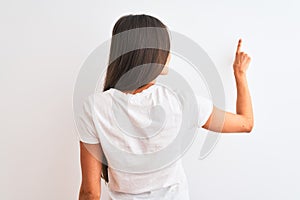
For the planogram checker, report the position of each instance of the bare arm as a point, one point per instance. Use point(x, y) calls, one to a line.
point(242, 121)
point(91, 171)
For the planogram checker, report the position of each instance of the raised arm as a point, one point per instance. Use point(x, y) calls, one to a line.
point(242, 120)
point(91, 172)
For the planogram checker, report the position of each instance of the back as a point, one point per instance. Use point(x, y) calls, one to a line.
point(131, 128)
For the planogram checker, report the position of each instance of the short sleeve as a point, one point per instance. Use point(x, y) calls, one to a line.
point(204, 105)
point(85, 124)
point(205, 108)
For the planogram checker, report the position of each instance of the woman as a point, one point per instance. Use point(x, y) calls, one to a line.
point(131, 75)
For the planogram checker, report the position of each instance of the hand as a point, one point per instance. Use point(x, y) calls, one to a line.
point(242, 60)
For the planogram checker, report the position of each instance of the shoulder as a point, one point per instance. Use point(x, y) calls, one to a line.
point(98, 100)
point(164, 91)
point(99, 96)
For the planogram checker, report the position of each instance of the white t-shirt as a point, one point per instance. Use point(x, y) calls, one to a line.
point(143, 136)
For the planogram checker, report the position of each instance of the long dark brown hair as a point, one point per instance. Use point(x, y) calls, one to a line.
point(134, 68)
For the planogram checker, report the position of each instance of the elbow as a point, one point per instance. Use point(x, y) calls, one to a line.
point(249, 129)
point(249, 126)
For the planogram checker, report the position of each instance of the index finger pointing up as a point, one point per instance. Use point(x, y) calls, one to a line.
point(239, 46)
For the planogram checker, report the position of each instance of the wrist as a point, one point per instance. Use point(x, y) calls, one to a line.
point(239, 73)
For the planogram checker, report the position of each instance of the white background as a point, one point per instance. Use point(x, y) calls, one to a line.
point(43, 43)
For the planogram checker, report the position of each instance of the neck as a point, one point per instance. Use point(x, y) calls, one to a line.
point(142, 88)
